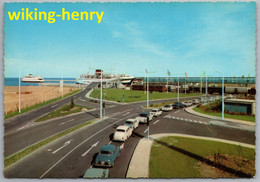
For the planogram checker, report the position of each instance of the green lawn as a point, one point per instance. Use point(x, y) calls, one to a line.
point(9, 115)
point(63, 111)
point(232, 116)
point(134, 95)
point(175, 157)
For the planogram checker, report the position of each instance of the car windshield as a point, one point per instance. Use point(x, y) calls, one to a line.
point(105, 152)
point(128, 122)
point(167, 106)
point(143, 114)
point(120, 130)
point(154, 110)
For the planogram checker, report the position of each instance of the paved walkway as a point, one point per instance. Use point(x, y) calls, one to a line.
point(191, 111)
point(139, 165)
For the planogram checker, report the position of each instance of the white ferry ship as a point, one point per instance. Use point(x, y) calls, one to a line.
point(32, 79)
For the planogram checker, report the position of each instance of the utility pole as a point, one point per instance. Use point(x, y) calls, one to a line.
point(147, 88)
point(223, 96)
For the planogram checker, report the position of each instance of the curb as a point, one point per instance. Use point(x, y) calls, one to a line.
point(217, 118)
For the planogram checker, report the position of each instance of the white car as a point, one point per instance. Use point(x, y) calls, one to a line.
point(195, 101)
point(122, 133)
point(131, 123)
point(167, 108)
point(187, 103)
point(156, 112)
point(141, 119)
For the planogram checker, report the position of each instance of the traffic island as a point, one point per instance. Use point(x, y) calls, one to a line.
point(187, 156)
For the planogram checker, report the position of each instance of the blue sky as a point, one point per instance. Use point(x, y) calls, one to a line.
point(132, 37)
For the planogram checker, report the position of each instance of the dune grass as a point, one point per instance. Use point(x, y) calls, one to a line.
point(36, 106)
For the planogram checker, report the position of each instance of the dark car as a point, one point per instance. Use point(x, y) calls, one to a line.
point(178, 105)
point(107, 156)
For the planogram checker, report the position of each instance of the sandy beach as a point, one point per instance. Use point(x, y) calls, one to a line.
point(31, 95)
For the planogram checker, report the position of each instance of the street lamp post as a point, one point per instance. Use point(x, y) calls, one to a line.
point(147, 87)
point(178, 89)
point(223, 96)
point(19, 92)
point(101, 95)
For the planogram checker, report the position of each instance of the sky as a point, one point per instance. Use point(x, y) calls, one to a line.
point(216, 38)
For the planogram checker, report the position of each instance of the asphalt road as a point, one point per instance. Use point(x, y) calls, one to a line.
point(70, 156)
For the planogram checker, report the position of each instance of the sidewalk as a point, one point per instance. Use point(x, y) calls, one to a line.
point(191, 111)
point(139, 165)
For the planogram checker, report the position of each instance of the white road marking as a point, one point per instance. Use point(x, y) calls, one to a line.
point(49, 150)
point(110, 142)
point(94, 145)
point(82, 99)
point(181, 118)
point(121, 146)
point(145, 130)
point(177, 118)
point(177, 111)
point(195, 121)
point(156, 121)
point(80, 145)
point(66, 122)
point(26, 126)
point(167, 116)
point(54, 106)
point(64, 145)
point(186, 120)
point(173, 117)
point(190, 120)
point(126, 114)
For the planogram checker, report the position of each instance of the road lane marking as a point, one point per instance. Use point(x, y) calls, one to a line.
point(26, 126)
point(173, 117)
point(80, 145)
point(110, 142)
point(186, 120)
point(64, 145)
point(126, 114)
point(167, 116)
point(94, 145)
point(190, 120)
point(181, 118)
point(121, 146)
point(66, 122)
point(177, 118)
point(145, 130)
point(177, 111)
point(82, 99)
point(156, 121)
point(54, 106)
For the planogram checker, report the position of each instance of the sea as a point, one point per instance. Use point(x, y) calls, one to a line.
point(15, 81)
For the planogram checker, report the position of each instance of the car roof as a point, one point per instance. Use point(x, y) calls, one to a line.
point(130, 120)
point(122, 127)
point(108, 148)
point(144, 113)
point(96, 173)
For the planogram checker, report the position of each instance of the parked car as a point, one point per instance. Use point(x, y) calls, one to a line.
point(147, 115)
point(122, 133)
point(167, 108)
point(96, 173)
point(195, 101)
point(131, 123)
point(187, 103)
point(107, 156)
point(178, 105)
point(156, 112)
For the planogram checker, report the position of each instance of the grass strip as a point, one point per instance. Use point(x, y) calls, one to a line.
point(9, 115)
point(120, 95)
point(21, 154)
point(63, 111)
point(177, 157)
point(231, 116)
